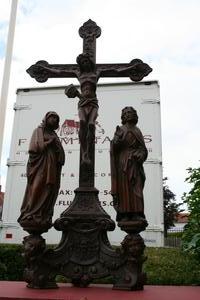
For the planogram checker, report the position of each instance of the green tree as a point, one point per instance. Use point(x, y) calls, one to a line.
point(191, 234)
point(171, 208)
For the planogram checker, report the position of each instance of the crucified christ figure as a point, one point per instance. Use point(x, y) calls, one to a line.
point(88, 74)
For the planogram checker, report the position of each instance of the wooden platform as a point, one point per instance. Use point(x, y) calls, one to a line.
point(18, 290)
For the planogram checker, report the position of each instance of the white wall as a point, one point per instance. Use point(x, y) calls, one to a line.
point(32, 105)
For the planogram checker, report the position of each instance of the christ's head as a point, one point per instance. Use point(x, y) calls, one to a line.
point(85, 63)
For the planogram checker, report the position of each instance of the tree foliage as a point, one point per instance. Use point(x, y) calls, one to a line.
point(171, 208)
point(191, 235)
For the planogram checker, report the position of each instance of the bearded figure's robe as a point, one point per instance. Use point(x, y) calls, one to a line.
point(128, 152)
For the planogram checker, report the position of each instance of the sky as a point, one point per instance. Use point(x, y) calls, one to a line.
point(164, 34)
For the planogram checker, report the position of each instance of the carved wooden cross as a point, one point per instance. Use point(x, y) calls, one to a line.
point(136, 69)
point(88, 72)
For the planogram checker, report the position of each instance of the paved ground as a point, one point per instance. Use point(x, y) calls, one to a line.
point(18, 290)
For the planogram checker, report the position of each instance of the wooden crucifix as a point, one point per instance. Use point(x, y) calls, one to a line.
point(84, 252)
point(88, 73)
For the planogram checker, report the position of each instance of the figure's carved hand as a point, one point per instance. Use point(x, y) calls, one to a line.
point(118, 135)
point(138, 157)
point(51, 140)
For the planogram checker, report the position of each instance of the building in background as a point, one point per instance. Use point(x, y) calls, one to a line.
point(30, 108)
point(181, 220)
point(179, 224)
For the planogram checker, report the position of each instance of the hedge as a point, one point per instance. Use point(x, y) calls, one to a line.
point(171, 266)
point(164, 266)
point(11, 262)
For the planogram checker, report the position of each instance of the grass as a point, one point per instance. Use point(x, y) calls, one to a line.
point(171, 266)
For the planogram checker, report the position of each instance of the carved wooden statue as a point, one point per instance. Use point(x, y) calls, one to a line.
point(46, 157)
point(84, 252)
point(128, 152)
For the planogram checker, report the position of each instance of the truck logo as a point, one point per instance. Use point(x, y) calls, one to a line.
point(71, 127)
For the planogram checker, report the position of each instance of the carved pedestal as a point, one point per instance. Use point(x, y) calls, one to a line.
point(84, 252)
point(133, 249)
point(39, 272)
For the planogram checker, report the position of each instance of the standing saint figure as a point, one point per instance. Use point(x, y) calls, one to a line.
point(46, 158)
point(128, 153)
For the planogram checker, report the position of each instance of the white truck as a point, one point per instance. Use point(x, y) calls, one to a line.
point(31, 106)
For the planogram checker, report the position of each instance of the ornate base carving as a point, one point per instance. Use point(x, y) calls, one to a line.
point(38, 273)
point(133, 226)
point(35, 226)
point(84, 252)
